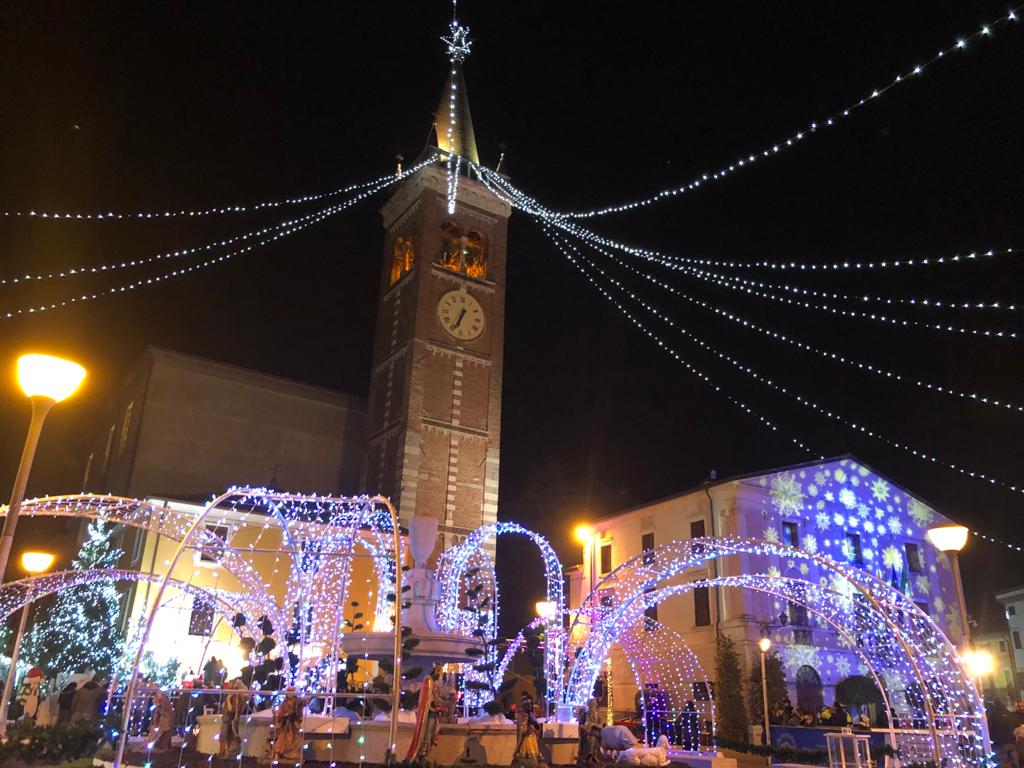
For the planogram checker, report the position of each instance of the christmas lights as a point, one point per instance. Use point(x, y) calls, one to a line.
point(194, 213)
point(743, 322)
point(373, 186)
point(897, 643)
point(802, 400)
point(797, 138)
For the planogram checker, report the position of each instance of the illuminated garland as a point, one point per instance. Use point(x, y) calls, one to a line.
point(900, 644)
point(802, 400)
point(826, 354)
point(196, 213)
point(458, 45)
point(375, 185)
point(794, 139)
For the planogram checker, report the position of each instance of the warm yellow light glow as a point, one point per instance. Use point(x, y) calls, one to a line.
point(37, 562)
point(583, 533)
point(765, 644)
point(546, 609)
point(978, 663)
point(46, 376)
point(948, 538)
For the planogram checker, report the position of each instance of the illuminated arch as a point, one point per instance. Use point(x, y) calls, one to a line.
point(902, 638)
point(452, 568)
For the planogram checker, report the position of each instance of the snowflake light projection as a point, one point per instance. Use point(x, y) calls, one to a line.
point(937, 714)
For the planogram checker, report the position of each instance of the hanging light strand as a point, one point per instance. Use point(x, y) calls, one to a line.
point(90, 269)
point(183, 213)
point(567, 250)
point(457, 44)
point(527, 204)
point(287, 228)
point(744, 322)
point(1000, 542)
point(802, 400)
point(812, 128)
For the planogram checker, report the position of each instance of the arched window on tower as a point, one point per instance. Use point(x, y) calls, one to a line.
point(449, 255)
point(403, 257)
point(474, 255)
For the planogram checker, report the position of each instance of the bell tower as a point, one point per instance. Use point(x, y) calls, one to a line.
point(435, 385)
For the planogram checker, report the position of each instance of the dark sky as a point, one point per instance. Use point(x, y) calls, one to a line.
point(167, 105)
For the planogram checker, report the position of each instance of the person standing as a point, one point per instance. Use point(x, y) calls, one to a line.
point(64, 699)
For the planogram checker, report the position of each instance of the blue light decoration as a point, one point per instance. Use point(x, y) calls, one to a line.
point(934, 711)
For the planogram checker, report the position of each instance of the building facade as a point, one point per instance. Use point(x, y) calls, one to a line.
point(1002, 681)
point(1012, 601)
point(839, 508)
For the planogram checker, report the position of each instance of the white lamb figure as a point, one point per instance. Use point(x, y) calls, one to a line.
point(655, 757)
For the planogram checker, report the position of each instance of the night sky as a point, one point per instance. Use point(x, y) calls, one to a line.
point(127, 106)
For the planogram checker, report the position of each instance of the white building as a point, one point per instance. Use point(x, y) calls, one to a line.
point(1012, 601)
point(1002, 681)
point(837, 507)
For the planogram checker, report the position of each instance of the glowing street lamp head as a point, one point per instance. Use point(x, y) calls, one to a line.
point(765, 644)
point(978, 663)
point(36, 562)
point(546, 609)
point(583, 533)
point(948, 538)
point(49, 377)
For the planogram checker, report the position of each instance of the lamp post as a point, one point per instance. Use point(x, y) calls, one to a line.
point(951, 539)
point(33, 563)
point(45, 380)
point(546, 609)
point(765, 644)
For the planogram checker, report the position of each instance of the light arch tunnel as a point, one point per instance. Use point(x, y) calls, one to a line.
point(933, 709)
point(310, 571)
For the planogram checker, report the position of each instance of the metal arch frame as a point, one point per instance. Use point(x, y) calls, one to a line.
point(452, 565)
point(184, 544)
point(685, 554)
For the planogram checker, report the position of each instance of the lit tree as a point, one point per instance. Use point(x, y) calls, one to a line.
point(730, 713)
point(79, 632)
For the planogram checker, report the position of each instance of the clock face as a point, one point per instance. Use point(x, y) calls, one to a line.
point(461, 315)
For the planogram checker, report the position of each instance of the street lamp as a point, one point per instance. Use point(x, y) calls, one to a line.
point(546, 609)
point(765, 644)
point(951, 539)
point(45, 380)
point(33, 563)
point(978, 663)
point(585, 535)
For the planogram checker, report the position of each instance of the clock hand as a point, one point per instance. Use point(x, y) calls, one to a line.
point(458, 320)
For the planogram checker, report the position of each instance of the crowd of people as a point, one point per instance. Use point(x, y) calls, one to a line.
point(835, 716)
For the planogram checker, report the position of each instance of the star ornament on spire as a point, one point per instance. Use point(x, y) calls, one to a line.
point(458, 41)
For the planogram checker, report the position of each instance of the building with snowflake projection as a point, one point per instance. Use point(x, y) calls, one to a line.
point(836, 507)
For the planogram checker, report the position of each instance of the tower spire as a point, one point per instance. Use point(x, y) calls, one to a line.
point(453, 123)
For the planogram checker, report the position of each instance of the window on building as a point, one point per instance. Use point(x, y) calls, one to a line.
point(474, 255)
point(913, 557)
point(88, 470)
point(797, 614)
point(697, 532)
point(803, 637)
point(449, 256)
point(1002, 646)
point(854, 555)
point(200, 622)
point(126, 425)
point(1011, 610)
point(791, 534)
point(403, 257)
point(213, 551)
point(701, 607)
point(1016, 639)
point(606, 558)
point(109, 447)
point(647, 546)
point(1007, 677)
point(650, 614)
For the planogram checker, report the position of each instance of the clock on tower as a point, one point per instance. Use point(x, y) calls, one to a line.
point(435, 386)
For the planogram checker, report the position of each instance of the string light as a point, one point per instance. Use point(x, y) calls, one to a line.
point(568, 249)
point(519, 199)
point(802, 400)
point(743, 322)
point(457, 44)
point(994, 540)
point(796, 138)
point(194, 213)
point(375, 184)
point(279, 231)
